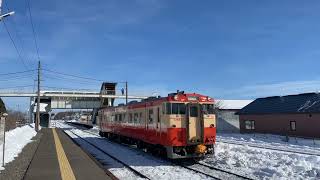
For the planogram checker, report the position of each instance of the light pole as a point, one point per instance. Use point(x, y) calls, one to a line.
point(4, 116)
point(2, 16)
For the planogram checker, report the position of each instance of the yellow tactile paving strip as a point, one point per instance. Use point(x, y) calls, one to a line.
point(65, 168)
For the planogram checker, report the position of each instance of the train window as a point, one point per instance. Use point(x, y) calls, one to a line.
point(178, 108)
point(193, 111)
point(168, 108)
point(150, 115)
point(175, 108)
point(120, 117)
point(158, 115)
point(136, 117)
point(130, 118)
point(123, 117)
point(208, 108)
point(182, 108)
point(140, 117)
point(163, 108)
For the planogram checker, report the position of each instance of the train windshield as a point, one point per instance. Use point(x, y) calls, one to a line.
point(208, 108)
point(175, 108)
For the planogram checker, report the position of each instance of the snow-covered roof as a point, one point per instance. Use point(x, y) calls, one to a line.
point(232, 104)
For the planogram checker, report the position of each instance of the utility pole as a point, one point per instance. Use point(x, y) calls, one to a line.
point(38, 100)
point(126, 92)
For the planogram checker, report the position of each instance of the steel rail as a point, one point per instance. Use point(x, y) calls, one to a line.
point(222, 170)
point(178, 164)
point(111, 156)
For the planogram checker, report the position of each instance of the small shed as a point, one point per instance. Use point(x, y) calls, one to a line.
point(292, 115)
point(227, 120)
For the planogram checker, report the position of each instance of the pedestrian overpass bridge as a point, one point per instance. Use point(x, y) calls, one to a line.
point(71, 99)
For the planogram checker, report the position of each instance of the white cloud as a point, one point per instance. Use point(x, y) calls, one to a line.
point(275, 89)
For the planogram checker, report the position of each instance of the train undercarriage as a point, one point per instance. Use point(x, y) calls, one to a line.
point(170, 152)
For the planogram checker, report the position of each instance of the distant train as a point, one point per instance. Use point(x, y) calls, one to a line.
point(177, 126)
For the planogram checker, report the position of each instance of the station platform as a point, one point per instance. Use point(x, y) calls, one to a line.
point(58, 157)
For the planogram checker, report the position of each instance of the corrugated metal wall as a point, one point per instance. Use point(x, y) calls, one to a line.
point(227, 122)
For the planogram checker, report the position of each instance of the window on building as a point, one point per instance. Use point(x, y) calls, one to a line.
point(249, 124)
point(292, 125)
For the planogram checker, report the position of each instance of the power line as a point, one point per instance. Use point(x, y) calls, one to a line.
point(80, 77)
point(20, 72)
point(34, 32)
point(14, 44)
point(5, 4)
point(70, 80)
point(14, 87)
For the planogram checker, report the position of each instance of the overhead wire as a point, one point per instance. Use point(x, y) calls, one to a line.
point(69, 80)
point(14, 87)
point(5, 4)
point(15, 46)
point(33, 30)
point(19, 72)
point(76, 76)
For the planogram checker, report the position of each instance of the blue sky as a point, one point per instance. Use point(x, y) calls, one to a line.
point(227, 49)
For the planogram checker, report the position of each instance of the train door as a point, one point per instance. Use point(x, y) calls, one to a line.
point(194, 130)
point(150, 125)
point(158, 122)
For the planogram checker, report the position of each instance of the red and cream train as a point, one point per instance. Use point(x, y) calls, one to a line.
point(178, 126)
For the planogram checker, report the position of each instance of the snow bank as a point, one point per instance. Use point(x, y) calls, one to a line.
point(262, 163)
point(16, 139)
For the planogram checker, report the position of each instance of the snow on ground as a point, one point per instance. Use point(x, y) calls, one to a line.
point(16, 139)
point(148, 165)
point(263, 163)
point(257, 163)
point(273, 141)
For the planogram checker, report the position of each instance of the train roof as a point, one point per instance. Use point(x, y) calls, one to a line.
point(179, 96)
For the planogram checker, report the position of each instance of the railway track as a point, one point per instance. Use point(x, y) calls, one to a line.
point(272, 148)
point(137, 173)
point(200, 168)
point(224, 174)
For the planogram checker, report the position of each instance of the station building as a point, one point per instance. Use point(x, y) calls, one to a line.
point(292, 115)
point(227, 120)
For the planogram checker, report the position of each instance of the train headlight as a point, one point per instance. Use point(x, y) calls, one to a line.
point(174, 126)
point(176, 97)
point(212, 125)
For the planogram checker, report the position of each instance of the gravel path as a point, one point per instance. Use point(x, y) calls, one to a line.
point(16, 168)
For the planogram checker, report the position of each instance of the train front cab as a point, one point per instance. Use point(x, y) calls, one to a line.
point(197, 135)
